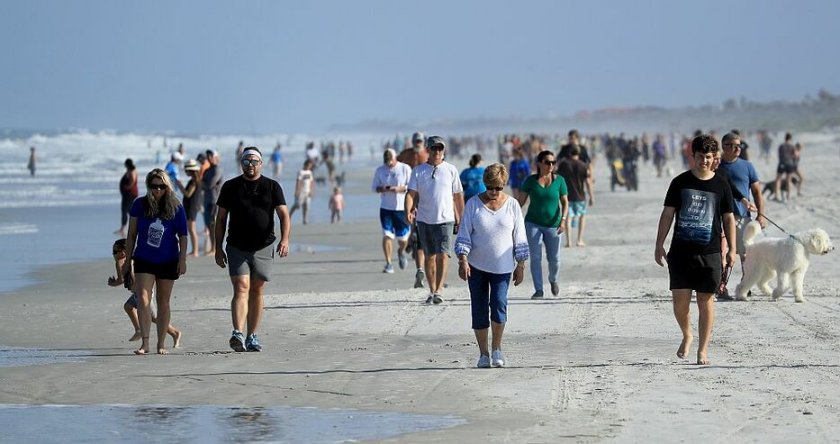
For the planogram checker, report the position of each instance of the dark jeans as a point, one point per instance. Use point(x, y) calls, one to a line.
point(488, 297)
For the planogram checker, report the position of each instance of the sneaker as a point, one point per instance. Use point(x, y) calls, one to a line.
point(430, 299)
point(537, 295)
point(555, 289)
point(237, 341)
point(724, 296)
point(252, 344)
point(388, 268)
point(403, 261)
point(436, 299)
point(497, 359)
point(419, 277)
point(483, 361)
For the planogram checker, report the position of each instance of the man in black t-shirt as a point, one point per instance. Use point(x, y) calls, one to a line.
point(787, 167)
point(699, 204)
point(251, 200)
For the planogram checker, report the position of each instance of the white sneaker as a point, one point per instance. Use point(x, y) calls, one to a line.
point(498, 359)
point(388, 268)
point(483, 361)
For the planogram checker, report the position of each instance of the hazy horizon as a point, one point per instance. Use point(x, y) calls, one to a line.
point(266, 67)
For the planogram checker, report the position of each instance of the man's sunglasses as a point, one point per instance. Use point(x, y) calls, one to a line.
point(250, 162)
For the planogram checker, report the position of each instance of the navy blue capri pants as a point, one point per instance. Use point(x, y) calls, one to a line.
point(488, 297)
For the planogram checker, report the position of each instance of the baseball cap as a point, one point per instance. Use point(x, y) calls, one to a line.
point(435, 140)
point(417, 137)
point(191, 165)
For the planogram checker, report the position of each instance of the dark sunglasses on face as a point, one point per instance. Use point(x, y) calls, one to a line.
point(497, 189)
point(250, 162)
point(158, 187)
point(549, 162)
point(436, 148)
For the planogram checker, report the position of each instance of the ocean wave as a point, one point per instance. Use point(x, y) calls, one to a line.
point(17, 228)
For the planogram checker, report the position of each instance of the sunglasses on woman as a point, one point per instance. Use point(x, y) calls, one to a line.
point(496, 189)
point(157, 186)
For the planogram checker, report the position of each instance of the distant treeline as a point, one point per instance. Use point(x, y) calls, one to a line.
point(808, 114)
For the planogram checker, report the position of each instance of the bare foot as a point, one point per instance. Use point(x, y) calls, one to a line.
point(210, 253)
point(581, 244)
point(136, 337)
point(567, 246)
point(141, 351)
point(194, 253)
point(176, 338)
point(702, 359)
point(163, 351)
point(684, 346)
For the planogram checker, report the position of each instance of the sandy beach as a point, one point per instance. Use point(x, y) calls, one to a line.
point(596, 364)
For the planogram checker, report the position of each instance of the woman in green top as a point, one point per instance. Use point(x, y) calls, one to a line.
point(544, 220)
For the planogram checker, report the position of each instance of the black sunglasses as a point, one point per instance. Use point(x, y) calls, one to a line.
point(549, 162)
point(495, 188)
point(250, 162)
point(158, 187)
point(437, 148)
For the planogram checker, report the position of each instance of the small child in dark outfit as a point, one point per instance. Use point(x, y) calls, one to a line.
point(130, 306)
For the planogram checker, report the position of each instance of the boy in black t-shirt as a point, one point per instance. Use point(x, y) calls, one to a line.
point(699, 204)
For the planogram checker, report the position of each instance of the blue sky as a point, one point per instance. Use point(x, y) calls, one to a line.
point(278, 66)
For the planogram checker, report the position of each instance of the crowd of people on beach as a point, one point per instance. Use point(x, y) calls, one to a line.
point(431, 209)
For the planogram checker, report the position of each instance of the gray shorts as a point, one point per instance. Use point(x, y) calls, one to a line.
point(256, 264)
point(434, 238)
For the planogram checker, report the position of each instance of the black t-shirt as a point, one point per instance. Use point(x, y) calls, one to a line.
point(697, 220)
point(566, 153)
point(251, 207)
point(575, 172)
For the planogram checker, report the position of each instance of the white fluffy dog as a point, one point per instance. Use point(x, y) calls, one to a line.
point(785, 257)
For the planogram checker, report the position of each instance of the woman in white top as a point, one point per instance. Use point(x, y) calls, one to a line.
point(491, 245)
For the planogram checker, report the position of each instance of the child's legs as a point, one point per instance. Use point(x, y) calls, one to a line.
point(131, 311)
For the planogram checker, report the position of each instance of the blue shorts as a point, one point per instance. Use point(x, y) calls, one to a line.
point(132, 300)
point(394, 224)
point(577, 208)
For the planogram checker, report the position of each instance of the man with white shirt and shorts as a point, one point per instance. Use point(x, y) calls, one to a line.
point(435, 199)
point(391, 182)
point(416, 154)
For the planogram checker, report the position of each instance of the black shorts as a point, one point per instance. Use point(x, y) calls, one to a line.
point(785, 169)
point(701, 273)
point(166, 270)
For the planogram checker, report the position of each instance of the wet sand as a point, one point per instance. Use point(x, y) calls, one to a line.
point(596, 364)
